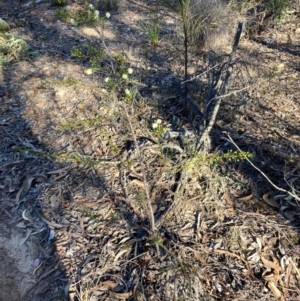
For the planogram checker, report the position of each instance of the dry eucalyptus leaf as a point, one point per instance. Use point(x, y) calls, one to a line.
point(276, 292)
point(270, 264)
point(107, 285)
point(121, 296)
point(246, 198)
point(200, 258)
point(120, 254)
point(271, 201)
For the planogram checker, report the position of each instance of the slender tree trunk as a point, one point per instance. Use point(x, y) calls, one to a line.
point(185, 32)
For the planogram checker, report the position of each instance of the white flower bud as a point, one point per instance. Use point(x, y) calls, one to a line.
point(96, 14)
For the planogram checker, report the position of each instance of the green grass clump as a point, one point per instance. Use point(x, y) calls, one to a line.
point(158, 129)
point(80, 123)
point(68, 82)
point(151, 28)
point(4, 27)
point(63, 14)
point(277, 7)
point(92, 54)
point(11, 47)
point(87, 15)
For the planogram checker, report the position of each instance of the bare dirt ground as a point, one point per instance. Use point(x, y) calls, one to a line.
point(73, 213)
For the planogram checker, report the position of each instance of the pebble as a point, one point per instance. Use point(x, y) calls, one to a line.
point(30, 94)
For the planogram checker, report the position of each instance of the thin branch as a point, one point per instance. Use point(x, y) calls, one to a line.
point(151, 214)
point(199, 75)
point(228, 94)
point(263, 174)
point(218, 88)
point(101, 35)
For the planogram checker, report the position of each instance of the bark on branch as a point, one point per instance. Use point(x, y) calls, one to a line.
point(218, 88)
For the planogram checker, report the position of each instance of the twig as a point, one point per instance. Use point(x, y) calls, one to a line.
point(199, 75)
point(263, 174)
point(204, 140)
point(228, 94)
point(101, 34)
point(151, 214)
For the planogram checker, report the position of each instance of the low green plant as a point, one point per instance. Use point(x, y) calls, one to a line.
point(277, 7)
point(20, 23)
point(120, 80)
point(62, 157)
point(120, 59)
point(295, 240)
point(74, 124)
point(151, 28)
point(212, 159)
point(4, 26)
point(94, 217)
point(11, 47)
point(68, 82)
point(87, 15)
point(129, 94)
point(59, 2)
point(78, 52)
point(92, 54)
point(63, 14)
point(158, 129)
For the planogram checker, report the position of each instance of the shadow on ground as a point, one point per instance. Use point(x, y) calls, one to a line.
point(61, 220)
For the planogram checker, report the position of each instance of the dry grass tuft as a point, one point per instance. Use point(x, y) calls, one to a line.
point(216, 25)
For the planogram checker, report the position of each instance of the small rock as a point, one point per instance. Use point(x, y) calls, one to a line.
point(59, 94)
point(191, 70)
point(30, 94)
point(297, 31)
point(40, 105)
point(280, 67)
point(47, 72)
point(88, 71)
point(30, 113)
point(91, 32)
point(81, 106)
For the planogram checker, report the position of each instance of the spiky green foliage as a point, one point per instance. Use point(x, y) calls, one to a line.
point(68, 82)
point(151, 27)
point(215, 158)
point(11, 47)
point(74, 124)
point(63, 157)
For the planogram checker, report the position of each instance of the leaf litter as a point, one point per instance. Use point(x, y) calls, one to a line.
point(87, 224)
